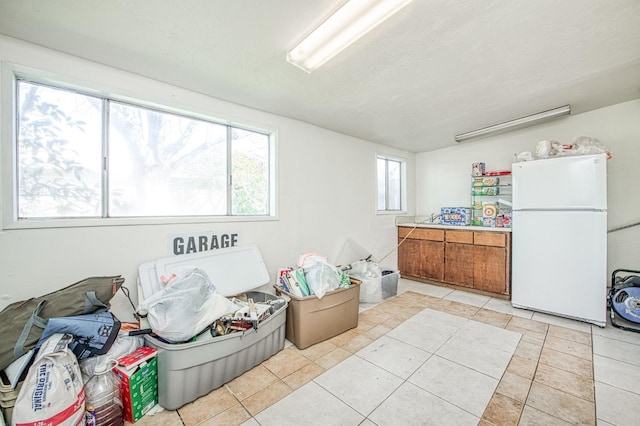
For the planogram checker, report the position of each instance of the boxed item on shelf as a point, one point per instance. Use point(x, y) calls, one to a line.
point(489, 222)
point(477, 169)
point(486, 181)
point(455, 215)
point(489, 210)
point(485, 190)
point(189, 370)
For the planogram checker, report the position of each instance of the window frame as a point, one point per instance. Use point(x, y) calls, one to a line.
point(403, 184)
point(9, 75)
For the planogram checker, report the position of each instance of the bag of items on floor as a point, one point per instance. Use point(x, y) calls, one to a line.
point(22, 323)
point(313, 276)
point(53, 391)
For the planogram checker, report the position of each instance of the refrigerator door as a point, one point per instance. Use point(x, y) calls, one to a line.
point(566, 183)
point(559, 263)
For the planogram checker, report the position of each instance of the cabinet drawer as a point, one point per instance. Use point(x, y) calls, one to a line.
point(422, 233)
point(463, 237)
point(495, 239)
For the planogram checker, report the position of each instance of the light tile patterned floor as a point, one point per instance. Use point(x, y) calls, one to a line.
point(433, 355)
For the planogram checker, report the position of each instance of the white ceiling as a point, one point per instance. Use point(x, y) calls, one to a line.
point(438, 68)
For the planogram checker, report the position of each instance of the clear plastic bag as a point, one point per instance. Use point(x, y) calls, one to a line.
point(187, 306)
point(322, 277)
point(543, 149)
point(122, 346)
point(370, 274)
point(584, 145)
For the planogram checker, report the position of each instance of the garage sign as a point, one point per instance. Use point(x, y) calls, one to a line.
point(202, 241)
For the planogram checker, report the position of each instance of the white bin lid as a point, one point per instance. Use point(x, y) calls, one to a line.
point(232, 270)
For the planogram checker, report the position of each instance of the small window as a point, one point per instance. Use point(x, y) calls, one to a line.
point(82, 156)
point(391, 184)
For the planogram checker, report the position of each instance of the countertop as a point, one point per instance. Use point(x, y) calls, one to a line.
point(400, 221)
point(460, 227)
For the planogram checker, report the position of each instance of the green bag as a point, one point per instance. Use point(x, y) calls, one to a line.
point(22, 323)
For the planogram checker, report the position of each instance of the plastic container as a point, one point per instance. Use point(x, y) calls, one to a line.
point(103, 403)
point(311, 320)
point(189, 370)
point(389, 283)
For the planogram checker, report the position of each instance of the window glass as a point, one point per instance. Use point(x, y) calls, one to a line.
point(393, 185)
point(382, 184)
point(59, 147)
point(250, 172)
point(163, 164)
point(390, 184)
point(81, 156)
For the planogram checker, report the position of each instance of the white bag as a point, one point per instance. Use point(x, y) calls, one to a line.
point(186, 306)
point(370, 274)
point(123, 345)
point(322, 277)
point(53, 392)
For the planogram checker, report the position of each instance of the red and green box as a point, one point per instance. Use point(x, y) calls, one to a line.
point(138, 387)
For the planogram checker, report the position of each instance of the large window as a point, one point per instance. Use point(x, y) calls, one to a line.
point(84, 156)
point(391, 184)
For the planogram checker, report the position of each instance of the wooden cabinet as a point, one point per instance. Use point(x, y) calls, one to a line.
point(433, 256)
point(458, 256)
point(421, 255)
point(492, 261)
point(410, 258)
point(474, 259)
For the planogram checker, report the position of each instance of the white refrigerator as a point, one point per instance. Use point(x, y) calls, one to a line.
point(559, 237)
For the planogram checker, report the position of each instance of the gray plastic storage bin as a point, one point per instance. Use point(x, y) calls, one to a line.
point(389, 283)
point(188, 371)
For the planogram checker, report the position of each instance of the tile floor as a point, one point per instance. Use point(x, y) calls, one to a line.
point(436, 356)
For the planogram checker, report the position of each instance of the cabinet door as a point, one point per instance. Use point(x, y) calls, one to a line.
point(432, 260)
point(489, 269)
point(458, 261)
point(410, 258)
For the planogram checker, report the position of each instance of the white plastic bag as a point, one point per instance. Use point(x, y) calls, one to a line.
point(543, 149)
point(370, 274)
point(53, 392)
point(584, 145)
point(122, 346)
point(308, 259)
point(187, 306)
point(322, 277)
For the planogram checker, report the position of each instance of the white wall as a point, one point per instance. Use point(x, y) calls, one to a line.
point(327, 192)
point(442, 177)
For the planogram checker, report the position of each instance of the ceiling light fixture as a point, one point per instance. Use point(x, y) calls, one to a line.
point(518, 123)
point(353, 20)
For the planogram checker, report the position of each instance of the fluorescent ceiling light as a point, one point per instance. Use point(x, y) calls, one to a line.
point(353, 20)
point(518, 123)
